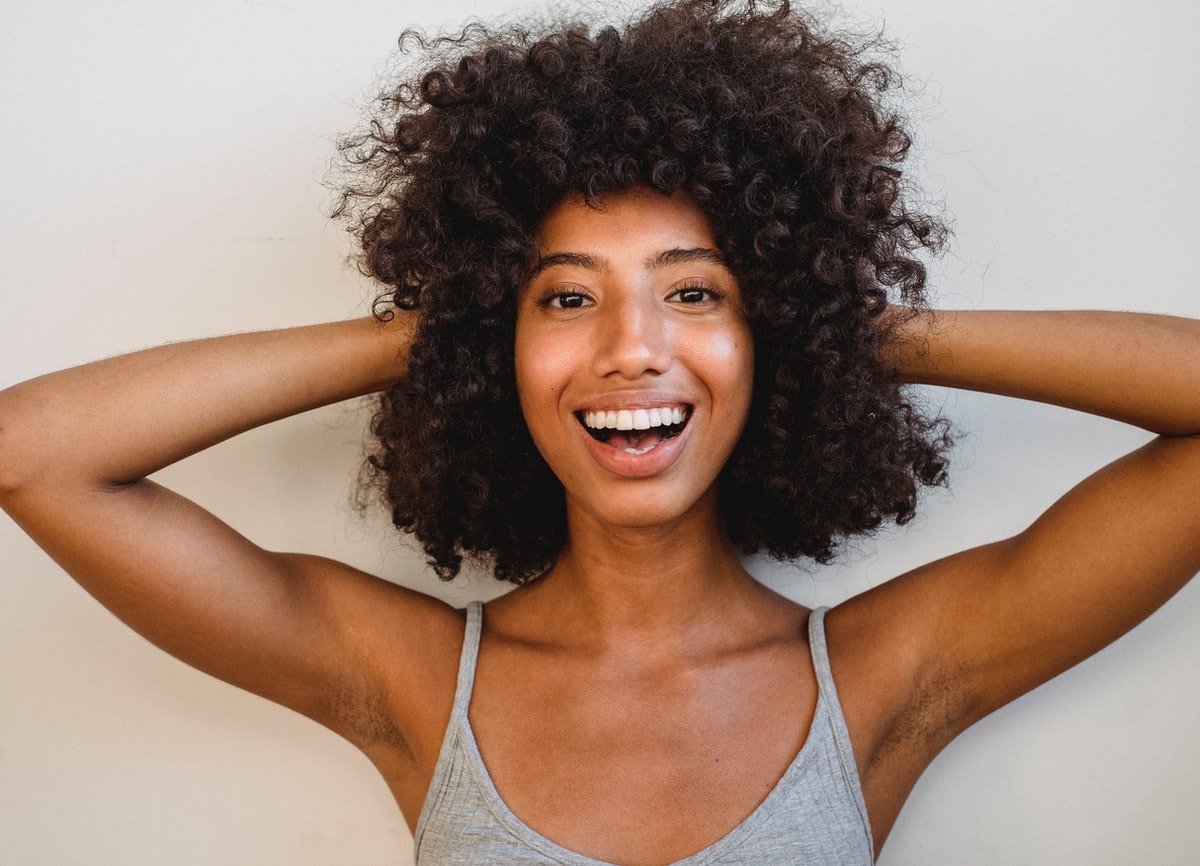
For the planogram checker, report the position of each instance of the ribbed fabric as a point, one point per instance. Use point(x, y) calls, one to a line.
point(814, 815)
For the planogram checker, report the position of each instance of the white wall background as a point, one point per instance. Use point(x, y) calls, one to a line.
point(160, 170)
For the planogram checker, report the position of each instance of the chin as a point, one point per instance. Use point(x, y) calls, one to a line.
point(638, 511)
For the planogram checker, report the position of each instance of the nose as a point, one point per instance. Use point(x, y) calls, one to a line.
point(633, 341)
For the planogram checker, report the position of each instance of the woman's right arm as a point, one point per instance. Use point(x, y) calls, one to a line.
point(76, 447)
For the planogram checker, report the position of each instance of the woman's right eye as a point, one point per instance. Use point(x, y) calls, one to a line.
point(567, 300)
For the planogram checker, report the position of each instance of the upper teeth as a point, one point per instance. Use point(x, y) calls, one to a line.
point(633, 419)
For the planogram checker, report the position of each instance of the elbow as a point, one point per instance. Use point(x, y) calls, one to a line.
point(17, 458)
point(9, 474)
point(10, 477)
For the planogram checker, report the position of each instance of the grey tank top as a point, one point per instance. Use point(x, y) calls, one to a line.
point(815, 814)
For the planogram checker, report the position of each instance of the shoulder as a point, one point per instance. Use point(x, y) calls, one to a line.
point(392, 683)
point(892, 653)
point(902, 705)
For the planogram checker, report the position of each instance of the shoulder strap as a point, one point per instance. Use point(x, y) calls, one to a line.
point(466, 663)
point(837, 721)
point(820, 653)
point(444, 770)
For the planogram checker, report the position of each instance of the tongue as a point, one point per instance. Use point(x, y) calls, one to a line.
point(638, 440)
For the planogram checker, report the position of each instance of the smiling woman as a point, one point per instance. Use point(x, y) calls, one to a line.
point(653, 296)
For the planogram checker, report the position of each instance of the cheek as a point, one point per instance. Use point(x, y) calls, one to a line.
point(730, 357)
point(538, 365)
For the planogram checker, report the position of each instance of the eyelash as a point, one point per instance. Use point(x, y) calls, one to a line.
point(704, 288)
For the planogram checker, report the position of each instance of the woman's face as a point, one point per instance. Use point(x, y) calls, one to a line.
point(634, 362)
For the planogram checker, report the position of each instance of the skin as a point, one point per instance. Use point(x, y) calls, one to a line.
point(662, 669)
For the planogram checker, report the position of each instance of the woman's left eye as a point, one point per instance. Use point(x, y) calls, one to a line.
point(694, 295)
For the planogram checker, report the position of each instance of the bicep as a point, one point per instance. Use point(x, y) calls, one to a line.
point(925, 655)
point(280, 625)
point(1008, 616)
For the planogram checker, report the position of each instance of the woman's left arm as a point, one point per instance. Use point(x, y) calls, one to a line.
point(996, 621)
point(1134, 367)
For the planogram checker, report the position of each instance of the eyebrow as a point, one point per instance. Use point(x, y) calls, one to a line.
point(682, 257)
point(574, 260)
point(664, 259)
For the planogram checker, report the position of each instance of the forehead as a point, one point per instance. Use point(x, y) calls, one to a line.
point(636, 217)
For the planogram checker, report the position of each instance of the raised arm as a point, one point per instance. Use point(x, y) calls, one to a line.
point(118, 420)
point(1133, 367)
point(971, 632)
point(76, 447)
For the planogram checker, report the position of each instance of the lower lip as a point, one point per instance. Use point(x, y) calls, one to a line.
point(627, 465)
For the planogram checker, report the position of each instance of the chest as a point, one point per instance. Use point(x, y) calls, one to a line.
point(640, 765)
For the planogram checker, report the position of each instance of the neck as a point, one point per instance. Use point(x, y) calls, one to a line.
point(626, 586)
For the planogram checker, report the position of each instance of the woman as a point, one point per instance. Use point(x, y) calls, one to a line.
point(651, 656)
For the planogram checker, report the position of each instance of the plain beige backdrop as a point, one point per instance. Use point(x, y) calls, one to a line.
point(160, 179)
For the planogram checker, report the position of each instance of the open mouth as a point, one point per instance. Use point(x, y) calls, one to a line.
point(635, 431)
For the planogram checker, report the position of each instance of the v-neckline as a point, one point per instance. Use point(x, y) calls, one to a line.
point(465, 733)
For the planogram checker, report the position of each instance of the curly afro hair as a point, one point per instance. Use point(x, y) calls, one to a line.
point(783, 137)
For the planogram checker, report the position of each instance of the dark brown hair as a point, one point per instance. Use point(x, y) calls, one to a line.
point(778, 131)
